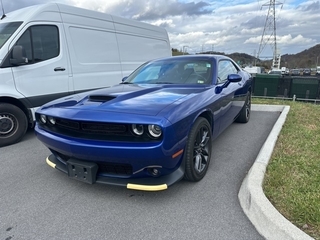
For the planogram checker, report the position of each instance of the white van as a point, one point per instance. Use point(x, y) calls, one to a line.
point(253, 70)
point(53, 50)
point(285, 71)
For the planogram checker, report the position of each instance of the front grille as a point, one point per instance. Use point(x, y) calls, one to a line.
point(92, 127)
point(92, 130)
point(67, 124)
point(103, 128)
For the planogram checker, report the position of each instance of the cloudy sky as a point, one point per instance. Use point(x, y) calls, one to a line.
point(225, 26)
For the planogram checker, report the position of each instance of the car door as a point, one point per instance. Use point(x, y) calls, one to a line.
point(229, 99)
point(46, 75)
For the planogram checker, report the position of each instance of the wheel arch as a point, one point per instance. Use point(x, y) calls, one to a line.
point(21, 105)
point(207, 114)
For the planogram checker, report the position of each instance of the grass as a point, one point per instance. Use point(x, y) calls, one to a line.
point(292, 180)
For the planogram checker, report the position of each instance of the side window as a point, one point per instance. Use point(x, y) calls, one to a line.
point(40, 42)
point(225, 68)
point(25, 42)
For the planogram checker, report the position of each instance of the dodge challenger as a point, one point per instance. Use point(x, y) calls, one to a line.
point(151, 130)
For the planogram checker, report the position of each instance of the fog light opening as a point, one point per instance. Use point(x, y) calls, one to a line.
point(153, 171)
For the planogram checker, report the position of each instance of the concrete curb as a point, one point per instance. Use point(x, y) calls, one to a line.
point(263, 215)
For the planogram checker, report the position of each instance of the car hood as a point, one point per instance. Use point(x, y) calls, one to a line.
point(148, 99)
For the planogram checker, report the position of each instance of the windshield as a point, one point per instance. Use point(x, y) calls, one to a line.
point(173, 71)
point(6, 30)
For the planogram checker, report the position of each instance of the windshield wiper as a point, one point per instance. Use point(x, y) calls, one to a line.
point(163, 83)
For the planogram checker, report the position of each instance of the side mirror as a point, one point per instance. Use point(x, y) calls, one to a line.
point(123, 79)
point(232, 78)
point(19, 55)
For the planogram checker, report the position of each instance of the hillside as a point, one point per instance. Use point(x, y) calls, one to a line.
point(304, 59)
point(240, 58)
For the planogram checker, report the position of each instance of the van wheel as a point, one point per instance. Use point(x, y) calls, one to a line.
point(198, 150)
point(13, 124)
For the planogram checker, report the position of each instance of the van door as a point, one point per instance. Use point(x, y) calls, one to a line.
point(46, 75)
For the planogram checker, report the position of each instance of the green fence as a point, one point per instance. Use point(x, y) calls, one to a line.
point(304, 88)
point(266, 85)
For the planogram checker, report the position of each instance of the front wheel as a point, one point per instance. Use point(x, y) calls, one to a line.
point(198, 150)
point(13, 124)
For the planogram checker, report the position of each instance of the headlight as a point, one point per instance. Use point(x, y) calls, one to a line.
point(155, 130)
point(52, 120)
point(137, 129)
point(43, 118)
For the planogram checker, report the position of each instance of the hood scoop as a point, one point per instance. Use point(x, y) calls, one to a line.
point(100, 98)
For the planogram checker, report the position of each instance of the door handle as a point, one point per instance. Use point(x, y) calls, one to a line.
point(59, 69)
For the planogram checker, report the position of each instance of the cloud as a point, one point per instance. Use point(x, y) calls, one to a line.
point(310, 6)
point(289, 40)
point(146, 10)
point(227, 26)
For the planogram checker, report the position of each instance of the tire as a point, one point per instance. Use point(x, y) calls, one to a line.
point(13, 124)
point(245, 112)
point(198, 150)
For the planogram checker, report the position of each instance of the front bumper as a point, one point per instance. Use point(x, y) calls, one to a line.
point(144, 184)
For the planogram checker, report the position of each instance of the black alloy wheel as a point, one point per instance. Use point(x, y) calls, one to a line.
point(198, 150)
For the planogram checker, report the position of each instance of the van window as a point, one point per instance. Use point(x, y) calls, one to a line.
point(6, 30)
point(40, 42)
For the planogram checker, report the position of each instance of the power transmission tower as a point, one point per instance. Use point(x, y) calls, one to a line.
point(269, 33)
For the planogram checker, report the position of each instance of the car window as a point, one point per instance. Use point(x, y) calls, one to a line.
point(173, 72)
point(225, 67)
point(40, 42)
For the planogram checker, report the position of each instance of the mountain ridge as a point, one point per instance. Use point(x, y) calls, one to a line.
point(308, 58)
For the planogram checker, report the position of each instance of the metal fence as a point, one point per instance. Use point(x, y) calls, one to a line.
point(300, 88)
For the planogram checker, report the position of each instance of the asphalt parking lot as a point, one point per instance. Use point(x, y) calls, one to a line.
point(38, 202)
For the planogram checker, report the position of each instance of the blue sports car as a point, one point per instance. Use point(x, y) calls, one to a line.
point(151, 130)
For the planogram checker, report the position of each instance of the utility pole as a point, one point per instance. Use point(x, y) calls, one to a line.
point(185, 49)
point(269, 33)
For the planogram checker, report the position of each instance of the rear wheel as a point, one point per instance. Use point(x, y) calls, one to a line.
point(245, 112)
point(13, 124)
point(198, 150)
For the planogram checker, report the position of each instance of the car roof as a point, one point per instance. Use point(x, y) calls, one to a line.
point(198, 56)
